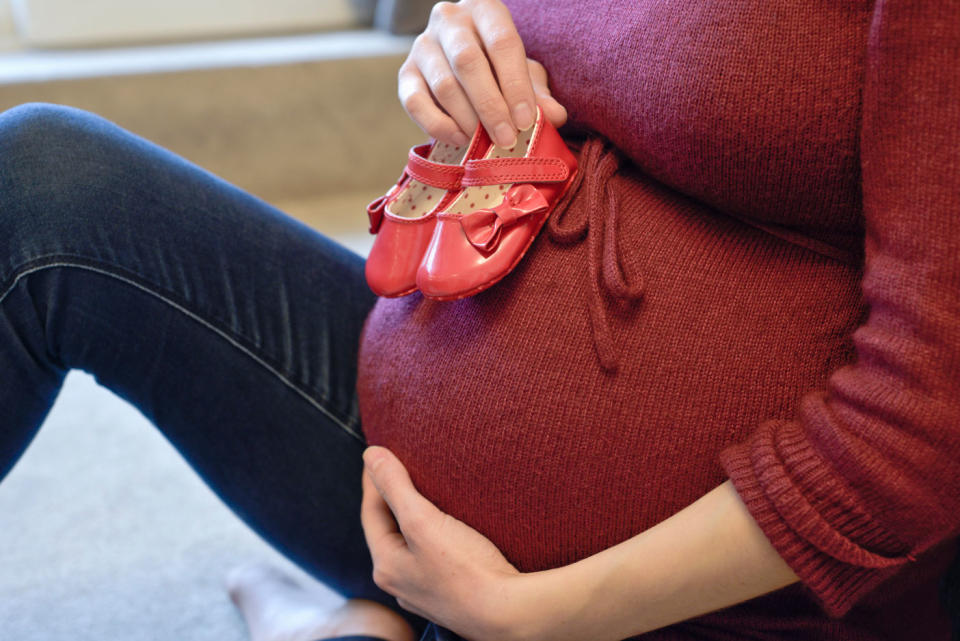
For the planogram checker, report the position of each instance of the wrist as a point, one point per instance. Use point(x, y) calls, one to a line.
point(531, 608)
point(553, 605)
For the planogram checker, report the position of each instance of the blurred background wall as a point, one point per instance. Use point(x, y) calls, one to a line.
point(59, 23)
point(292, 100)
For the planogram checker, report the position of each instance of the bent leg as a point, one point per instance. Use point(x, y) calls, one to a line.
point(232, 327)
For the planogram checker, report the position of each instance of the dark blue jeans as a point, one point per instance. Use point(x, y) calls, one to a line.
point(232, 327)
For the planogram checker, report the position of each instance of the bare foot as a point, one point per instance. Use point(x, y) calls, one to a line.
point(277, 608)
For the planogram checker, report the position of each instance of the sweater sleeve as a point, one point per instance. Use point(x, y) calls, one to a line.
point(867, 476)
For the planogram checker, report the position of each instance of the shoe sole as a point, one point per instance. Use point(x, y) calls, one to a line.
point(399, 295)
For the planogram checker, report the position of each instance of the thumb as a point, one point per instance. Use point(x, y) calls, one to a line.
point(553, 110)
point(392, 481)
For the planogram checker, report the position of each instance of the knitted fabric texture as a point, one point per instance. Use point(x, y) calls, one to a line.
point(757, 277)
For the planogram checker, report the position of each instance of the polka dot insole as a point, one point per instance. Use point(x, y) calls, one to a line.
point(418, 199)
point(488, 196)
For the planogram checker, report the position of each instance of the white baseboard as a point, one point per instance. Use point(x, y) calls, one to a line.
point(49, 65)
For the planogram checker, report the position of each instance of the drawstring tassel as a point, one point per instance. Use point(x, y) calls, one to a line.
point(596, 219)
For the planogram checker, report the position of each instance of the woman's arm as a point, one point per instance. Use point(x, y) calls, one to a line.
point(709, 555)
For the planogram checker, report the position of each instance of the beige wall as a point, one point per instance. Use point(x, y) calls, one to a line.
point(57, 23)
point(283, 132)
point(7, 40)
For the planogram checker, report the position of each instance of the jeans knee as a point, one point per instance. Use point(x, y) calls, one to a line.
point(28, 120)
point(33, 132)
point(40, 143)
point(52, 159)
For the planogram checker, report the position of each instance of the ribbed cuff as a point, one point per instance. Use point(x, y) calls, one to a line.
point(809, 517)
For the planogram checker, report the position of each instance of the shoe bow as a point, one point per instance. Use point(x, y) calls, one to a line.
point(483, 227)
point(375, 213)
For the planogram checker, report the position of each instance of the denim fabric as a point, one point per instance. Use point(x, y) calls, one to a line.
point(232, 327)
point(433, 632)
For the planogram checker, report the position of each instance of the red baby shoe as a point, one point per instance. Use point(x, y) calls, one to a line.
point(403, 219)
point(507, 195)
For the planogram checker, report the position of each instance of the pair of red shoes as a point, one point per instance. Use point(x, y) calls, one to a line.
point(460, 218)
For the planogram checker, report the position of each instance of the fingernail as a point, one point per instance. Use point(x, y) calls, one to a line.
point(504, 135)
point(460, 138)
point(523, 116)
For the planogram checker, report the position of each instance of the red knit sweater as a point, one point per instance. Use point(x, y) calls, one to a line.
point(759, 279)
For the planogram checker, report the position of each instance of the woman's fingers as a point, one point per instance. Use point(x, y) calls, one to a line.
point(469, 67)
point(506, 53)
point(417, 102)
point(552, 110)
point(413, 513)
point(445, 88)
point(380, 528)
point(467, 57)
point(388, 550)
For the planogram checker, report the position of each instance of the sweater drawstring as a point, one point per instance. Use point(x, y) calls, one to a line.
point(595, 216)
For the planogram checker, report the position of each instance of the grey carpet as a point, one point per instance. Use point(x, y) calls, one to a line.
point(105, 533)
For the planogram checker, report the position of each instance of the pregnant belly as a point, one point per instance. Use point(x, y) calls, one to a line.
point(501, 412)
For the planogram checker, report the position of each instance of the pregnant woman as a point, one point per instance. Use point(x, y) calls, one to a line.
point(718, 399)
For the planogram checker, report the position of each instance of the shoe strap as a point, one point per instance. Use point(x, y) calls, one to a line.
point(498, 171)
point(432, 173)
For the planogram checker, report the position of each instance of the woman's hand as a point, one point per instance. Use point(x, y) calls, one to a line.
point(436, 566)
point(709, 555)
point(469, 65)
